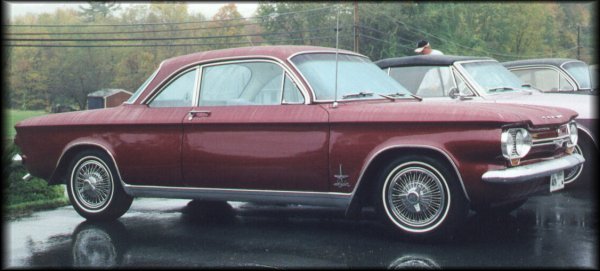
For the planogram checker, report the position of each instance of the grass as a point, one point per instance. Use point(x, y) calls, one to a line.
point(23, 197)
point(26, 208)
point(13, 116)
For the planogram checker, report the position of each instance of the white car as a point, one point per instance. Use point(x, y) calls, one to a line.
point(483, 79)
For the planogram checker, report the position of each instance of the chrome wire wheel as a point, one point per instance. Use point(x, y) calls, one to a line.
point(92, 184)
point(416, 196)
point(573, 173)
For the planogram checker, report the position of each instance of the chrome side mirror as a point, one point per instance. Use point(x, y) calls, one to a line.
point(455, 93)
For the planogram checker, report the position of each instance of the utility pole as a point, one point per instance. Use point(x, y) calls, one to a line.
point(356, 33)
point(578, 43)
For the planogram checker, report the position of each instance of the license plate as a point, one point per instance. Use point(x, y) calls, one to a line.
point(557, 181)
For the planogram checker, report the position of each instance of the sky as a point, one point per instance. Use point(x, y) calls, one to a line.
point(207, 8)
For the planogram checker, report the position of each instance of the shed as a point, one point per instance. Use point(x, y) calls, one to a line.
point(105, 98)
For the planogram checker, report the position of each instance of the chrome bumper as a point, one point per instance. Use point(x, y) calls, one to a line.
point(17, 160)
point(528, 172)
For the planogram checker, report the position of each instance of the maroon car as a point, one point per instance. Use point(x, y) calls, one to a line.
point(305, 125)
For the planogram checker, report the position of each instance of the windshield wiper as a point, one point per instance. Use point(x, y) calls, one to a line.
point(358, 95)
point(500, 89)
point(393, 96)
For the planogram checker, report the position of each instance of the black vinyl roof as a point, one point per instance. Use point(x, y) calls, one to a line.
point(425, 60)
point(538, 61)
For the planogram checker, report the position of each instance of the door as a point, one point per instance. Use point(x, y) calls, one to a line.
point(252, 130)
point(152, 144)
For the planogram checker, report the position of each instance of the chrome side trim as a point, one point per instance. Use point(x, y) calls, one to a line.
point(529, 172)
point(299, 197)
point(230, 60)
point(364, 169)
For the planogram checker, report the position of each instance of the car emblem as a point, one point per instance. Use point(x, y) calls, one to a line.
point(342, 180)
point(552, 117)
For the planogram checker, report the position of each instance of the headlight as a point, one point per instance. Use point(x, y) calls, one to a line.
point(516, 143)
point(572, 134)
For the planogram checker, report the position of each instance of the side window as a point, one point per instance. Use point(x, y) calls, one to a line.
point(463, 88)
point(291, 93)
point(541, 78)
point(409, 77)
point(178, 93)
point(424, 81)
point(564, 85)
point(246, 83)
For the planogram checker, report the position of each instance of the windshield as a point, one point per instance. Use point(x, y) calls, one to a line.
point(358, 77)
point(141, 88)
point(492, 77)
point(580, 72)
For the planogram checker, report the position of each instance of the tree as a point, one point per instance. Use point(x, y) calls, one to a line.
point(227, 22)
point(97, 10)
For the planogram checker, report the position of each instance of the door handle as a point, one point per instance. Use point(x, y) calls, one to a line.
point(194, 113)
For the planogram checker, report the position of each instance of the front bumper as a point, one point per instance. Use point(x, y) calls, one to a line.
point(525, 173)
point(17, 160)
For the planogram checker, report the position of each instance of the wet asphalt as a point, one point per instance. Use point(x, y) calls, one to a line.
point(556, 230)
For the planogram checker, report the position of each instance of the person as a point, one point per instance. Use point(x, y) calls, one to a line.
point(424, 48)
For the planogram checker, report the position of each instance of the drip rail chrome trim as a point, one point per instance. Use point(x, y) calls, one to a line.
point(222, 60)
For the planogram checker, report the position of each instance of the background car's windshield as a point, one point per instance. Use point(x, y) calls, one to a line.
point(355, 74)
point(580, 72)
point(493, 77)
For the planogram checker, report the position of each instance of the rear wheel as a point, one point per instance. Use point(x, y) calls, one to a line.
point(94, 187)
point(420, 197)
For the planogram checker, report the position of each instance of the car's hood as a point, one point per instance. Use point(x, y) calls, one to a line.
point(455, 111)
point(584, 105)
point(95, 116)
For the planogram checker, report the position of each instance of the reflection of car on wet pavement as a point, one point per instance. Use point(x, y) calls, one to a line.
point(549, 231)
point(470, 79)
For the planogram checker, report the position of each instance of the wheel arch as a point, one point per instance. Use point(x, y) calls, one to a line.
point(584, 132)
point(59, 176)
point(362, 195)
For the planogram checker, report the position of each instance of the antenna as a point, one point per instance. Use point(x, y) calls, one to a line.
point(337, 36)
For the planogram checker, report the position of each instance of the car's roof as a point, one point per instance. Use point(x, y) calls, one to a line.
point(538, 61)
point(275, 51)
point(425, 60)
point(281, 52)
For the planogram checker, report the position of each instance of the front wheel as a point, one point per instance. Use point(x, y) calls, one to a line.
point(94, 187)
point(420, 197)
